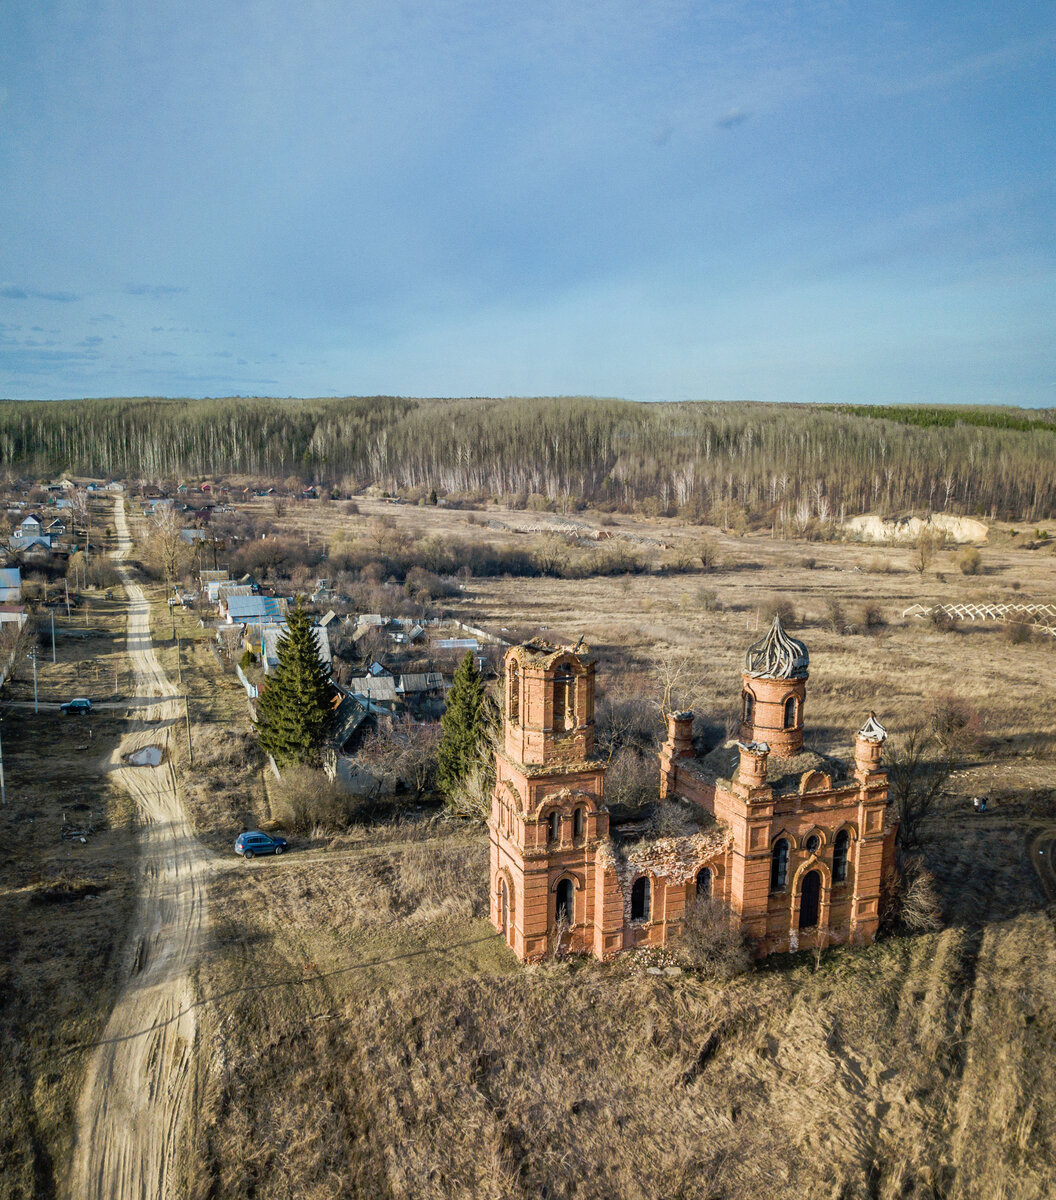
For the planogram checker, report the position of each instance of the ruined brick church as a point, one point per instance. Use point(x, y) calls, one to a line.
point(793, 842)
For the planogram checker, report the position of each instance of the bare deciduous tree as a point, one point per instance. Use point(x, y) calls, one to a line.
point(917, 778)
point(679, 680)
point(924, 551)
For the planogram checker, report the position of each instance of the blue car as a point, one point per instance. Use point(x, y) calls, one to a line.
point(249, 844)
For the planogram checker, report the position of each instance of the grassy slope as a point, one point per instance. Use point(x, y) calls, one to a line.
point(374, 1039)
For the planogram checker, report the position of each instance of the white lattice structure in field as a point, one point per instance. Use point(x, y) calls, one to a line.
point(1041, 617)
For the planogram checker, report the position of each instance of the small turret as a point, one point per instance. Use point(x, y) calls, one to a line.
point(751, 770)
point(680, 734)
point(868, 747)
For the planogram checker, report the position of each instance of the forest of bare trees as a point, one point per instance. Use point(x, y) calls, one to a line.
point(787, 463)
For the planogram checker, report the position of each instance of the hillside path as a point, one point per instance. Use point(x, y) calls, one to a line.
point(135, 1092)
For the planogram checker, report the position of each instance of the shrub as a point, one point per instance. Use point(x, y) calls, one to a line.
point(956, 725)
point(1019, 634)
point(306, 800)
point(919, 909)
point(872, 615)
point(711, 942)
point(779, 606)
point(708, 600)
point(969, 560)
point(247, 660)
point(834, 616)
point(808, 564)
point(942, 621)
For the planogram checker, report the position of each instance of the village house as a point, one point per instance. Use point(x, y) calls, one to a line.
point(13, 614)
point(794, 843)
point(10, 585)
point(256, 610)
point(30, 527)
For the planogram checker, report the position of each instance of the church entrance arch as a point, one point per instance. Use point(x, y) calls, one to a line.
point(810, 900)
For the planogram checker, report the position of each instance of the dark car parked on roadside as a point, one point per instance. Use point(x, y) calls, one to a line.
point(80, 704)
point(250, 844)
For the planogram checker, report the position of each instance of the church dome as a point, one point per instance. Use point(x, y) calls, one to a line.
point(777, 656)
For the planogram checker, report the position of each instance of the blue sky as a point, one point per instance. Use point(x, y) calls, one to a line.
point(733, 201)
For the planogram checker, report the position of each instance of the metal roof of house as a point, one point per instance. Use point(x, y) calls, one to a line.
point(258, 609)
point(431, 681)
point(274, 632)
point(10, 577)
point(379, 688)
point(226, 590)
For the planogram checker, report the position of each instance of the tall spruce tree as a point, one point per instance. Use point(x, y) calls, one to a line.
point(293, 712)
point(462, 727)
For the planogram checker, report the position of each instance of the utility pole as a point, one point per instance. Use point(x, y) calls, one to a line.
point(179, 663)
point(187, 717)
point(172, 613)
point(3, 789)
point(36, 706)
point(67, 583)
point(52, 635)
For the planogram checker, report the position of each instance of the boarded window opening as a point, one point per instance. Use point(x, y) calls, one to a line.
point(504, 909)
point(553, 827)
point(839, 856)
point(515, 696)
point(578, 823)
point(704, 883)
point(779, 865)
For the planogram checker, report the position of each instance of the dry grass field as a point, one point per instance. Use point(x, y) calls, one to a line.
point(370, 1036)
point(65, 905)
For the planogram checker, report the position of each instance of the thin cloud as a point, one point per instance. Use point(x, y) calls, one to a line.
point(157, 291)
point(735, 117)
point(14, 292)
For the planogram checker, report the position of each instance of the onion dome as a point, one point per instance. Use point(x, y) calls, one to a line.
point(777, 656)
point(872, 730)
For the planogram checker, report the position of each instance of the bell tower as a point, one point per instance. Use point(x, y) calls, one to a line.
point(774, 692)
point(547, 815)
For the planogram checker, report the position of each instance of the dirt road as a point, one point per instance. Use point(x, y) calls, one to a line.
point(134, 1097)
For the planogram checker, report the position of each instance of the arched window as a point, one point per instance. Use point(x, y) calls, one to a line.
point(504, 908)
point(839, 856)
point(790, 713)
point(514, 690)
point(749, 708)
point(779, 865)
point(578, 822)
point(640, 900)
point(810, 900)
point(564, 707)
point(704, 883)
point(553, 827)
point(563, 908)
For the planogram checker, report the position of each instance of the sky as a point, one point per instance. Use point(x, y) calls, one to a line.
point(775, 200)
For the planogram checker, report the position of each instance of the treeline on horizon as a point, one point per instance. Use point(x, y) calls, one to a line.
point(791, 464)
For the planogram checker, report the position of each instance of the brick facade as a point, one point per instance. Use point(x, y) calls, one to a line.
point(795, 843)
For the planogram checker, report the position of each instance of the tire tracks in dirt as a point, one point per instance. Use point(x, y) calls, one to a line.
point(134, 1099)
